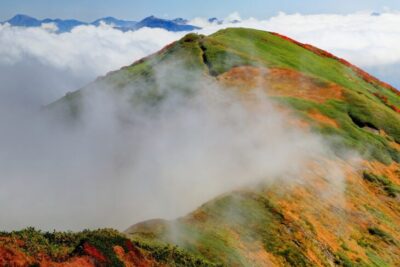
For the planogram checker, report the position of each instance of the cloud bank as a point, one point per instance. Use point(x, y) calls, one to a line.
point(47, 65)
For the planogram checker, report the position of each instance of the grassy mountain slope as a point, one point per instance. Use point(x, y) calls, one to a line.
point(360, 100)
point(278, 224)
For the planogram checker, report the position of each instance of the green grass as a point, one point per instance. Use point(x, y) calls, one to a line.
point(376, 260)
point(343, 260)
point(382, 217)
point(351, 136)
point(367, 110)
point(172, 255)
point(375, 231)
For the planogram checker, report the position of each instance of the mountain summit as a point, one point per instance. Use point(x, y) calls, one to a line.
point(348, 215)
point(24, 20)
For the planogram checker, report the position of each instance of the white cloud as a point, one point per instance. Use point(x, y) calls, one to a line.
point(86, 48)
point(77, 57)
point(235, 16)
point(50, 27)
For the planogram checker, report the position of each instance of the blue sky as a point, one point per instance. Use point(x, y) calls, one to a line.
point(135, 9)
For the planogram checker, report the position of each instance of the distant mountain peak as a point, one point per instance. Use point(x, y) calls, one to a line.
point(22, 16)
point(24, 20)
point(151, 18)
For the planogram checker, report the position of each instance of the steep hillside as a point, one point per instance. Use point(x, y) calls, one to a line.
point(308, 222)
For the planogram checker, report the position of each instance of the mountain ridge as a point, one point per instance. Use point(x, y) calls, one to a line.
point(66, 25)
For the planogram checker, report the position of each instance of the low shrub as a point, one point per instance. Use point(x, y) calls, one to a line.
point(375, 231)
point(383, 182)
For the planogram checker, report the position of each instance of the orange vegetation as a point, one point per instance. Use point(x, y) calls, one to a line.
point(391, 171)
point(9, 256)
point(94, 253)
point(253, 251)
point(336, 218)
point(133, 257)
point(12, 254)
point(280, 82)
point(317, 116)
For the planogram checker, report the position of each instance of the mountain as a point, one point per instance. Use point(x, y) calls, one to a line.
point(315, 221)
point(64, 25)
point(115, 22)
point(27, 21)
point(176, 25)
point(24, 21)
point(170, 25)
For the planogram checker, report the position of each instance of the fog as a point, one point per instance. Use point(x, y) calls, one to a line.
point(49, 65)
point(122, 163)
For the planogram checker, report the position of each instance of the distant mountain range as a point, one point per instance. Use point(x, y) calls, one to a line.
point(175, 25)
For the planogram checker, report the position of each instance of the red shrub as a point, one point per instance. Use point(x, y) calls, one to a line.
point(93, 252)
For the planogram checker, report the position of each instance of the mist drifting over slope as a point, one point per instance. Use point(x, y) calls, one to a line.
point(123, 163)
